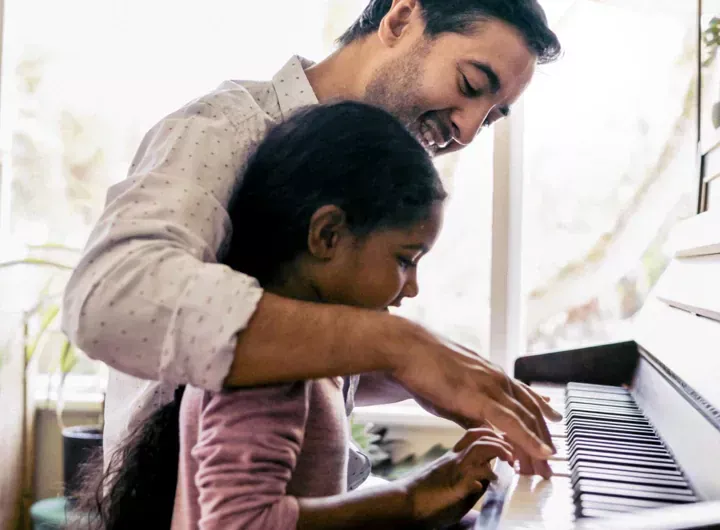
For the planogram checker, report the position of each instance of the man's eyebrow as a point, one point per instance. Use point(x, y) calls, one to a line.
point(495, 84)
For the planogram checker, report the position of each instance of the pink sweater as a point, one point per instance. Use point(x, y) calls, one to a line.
point(245, 456)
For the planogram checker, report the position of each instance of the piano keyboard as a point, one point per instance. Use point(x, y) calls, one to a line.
point(609, 461)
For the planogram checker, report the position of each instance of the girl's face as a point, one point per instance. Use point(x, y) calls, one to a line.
point(377, 270)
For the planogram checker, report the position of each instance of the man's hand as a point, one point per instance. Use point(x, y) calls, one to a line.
point(325, 340)
point(460, 385)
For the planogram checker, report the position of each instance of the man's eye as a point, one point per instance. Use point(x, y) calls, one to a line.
point(468, 89)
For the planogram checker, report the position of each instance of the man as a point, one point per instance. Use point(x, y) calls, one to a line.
point(150, 299)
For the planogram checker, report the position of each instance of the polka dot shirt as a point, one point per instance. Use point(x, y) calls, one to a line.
point(149, 297)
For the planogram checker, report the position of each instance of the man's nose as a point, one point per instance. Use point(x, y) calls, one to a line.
point(468, 121)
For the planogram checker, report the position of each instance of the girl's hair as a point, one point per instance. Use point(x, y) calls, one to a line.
point(351, 155)
point(348, 154)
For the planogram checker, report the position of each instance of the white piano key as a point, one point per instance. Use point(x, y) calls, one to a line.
point(538, 503)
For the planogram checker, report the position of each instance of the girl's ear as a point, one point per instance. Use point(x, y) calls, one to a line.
point(327, 226)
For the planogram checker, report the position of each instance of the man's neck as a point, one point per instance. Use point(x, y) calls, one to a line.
point(341, 74)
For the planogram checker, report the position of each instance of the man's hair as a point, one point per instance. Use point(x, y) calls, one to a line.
point(459, 16)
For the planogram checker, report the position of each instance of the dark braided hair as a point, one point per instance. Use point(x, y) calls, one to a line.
point(352, 155)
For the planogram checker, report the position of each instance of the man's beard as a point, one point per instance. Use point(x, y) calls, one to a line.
point(395, 88)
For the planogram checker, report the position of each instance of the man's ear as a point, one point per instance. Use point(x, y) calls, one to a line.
point(327, 226)
point(397, 21)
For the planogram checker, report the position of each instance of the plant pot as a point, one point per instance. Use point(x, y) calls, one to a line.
point(79, 444)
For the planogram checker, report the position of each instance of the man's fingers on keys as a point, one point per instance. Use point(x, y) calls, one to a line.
point(531, 403)
point(542, 468)
point(525, 463)
point(516, 430)
point(543, 402)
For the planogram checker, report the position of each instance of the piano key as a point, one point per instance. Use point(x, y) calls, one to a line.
point(597, 513)
point(606, 398)
point(619, 502)
point(593, 466)
point(630, 478)
point(557, 430)
point(597, 389)
point(614, 401)
point(583, 484)
point(627, 451)
point(626, 409)
point(648, 448)
point(595, 434)
point(560, 468)
point(636, 461)
point(610, 428)
point(629, 493)
point(600, 416)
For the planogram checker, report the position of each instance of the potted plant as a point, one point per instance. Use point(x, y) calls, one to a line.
point(41, 338)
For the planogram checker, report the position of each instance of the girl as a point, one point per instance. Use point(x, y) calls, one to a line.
point(337, 205)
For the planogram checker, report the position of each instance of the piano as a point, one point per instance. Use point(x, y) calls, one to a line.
point(639, 446)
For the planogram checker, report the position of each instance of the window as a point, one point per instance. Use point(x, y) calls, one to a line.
point(454, 278)
point(609, 141)
point(86, 80)
point(610, 150)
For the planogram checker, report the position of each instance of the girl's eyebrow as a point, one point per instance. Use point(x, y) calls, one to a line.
point(416, 246)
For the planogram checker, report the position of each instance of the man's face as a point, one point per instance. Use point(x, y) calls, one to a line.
point(445, 89)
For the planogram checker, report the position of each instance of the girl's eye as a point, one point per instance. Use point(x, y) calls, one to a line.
point(404, 262)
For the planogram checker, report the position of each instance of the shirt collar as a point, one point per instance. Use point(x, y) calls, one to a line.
point(292, 86)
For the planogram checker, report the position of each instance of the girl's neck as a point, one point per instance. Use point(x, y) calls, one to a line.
point(294, 286)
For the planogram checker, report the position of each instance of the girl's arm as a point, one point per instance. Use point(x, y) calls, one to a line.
point(248, 446)
point(247, 452)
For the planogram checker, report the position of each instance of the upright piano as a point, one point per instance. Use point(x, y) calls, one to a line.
point(639, 446)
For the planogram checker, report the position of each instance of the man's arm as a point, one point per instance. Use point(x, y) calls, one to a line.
point(149, 299)
point(379, 388)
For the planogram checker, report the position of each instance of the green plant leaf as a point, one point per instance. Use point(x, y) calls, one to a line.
point(68, 357)
point(54, 246)
point(37, 261)
point(46, 318)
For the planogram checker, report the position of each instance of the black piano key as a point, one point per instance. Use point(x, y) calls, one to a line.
point(572, 422)
point(616, 428)
point(639, 479)
point(626, 451)
point(609, 458)
point(630, 446)
point(605, 417)
point(599, 435)
point(604, 408)
point(646, 494)
point(619, 468)
point(613, 401)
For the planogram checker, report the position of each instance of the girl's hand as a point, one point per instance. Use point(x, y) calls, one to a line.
point(447, 489)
